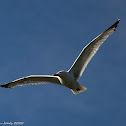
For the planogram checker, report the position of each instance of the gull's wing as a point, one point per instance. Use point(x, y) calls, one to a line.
point(33, 79)
point(88, 52)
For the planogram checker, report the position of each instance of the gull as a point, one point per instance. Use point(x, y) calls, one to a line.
point(68, 78)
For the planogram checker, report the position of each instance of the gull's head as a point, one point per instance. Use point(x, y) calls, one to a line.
point(60, 73)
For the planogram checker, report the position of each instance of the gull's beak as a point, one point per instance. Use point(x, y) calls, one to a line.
point(55, 74)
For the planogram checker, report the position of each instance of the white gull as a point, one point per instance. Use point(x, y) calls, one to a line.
point(68, 78)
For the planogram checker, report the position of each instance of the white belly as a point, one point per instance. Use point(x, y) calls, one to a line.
point(68, 81)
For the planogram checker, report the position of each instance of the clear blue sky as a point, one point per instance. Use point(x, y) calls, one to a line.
point(45, 36)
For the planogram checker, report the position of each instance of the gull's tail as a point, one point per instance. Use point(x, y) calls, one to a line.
point(79, 89)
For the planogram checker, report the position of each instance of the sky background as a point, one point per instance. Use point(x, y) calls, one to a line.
point(46, 36)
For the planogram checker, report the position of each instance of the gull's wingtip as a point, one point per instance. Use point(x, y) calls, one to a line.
point(119, 19)
point(114, 25)
point(5, 86)
point(117, 22)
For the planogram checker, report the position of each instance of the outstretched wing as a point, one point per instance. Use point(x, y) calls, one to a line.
point(33, 79)
point(88, 52)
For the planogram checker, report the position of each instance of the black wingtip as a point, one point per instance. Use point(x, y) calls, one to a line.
point(5, 86)
point(114, 25)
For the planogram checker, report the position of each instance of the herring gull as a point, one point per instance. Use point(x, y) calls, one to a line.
point(68, 78)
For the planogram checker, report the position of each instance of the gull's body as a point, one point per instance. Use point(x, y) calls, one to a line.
point(68, 78)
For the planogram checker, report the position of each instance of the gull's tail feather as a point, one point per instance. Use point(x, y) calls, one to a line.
point(79, 89)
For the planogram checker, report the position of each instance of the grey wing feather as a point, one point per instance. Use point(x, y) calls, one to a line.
point(33, 79)
point(89, 51)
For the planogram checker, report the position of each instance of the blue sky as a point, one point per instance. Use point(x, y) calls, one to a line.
point(45, 36)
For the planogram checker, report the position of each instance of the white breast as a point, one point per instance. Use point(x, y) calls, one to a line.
point(68, 81)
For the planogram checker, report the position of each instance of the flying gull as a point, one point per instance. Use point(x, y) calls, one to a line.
point(68, 78)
